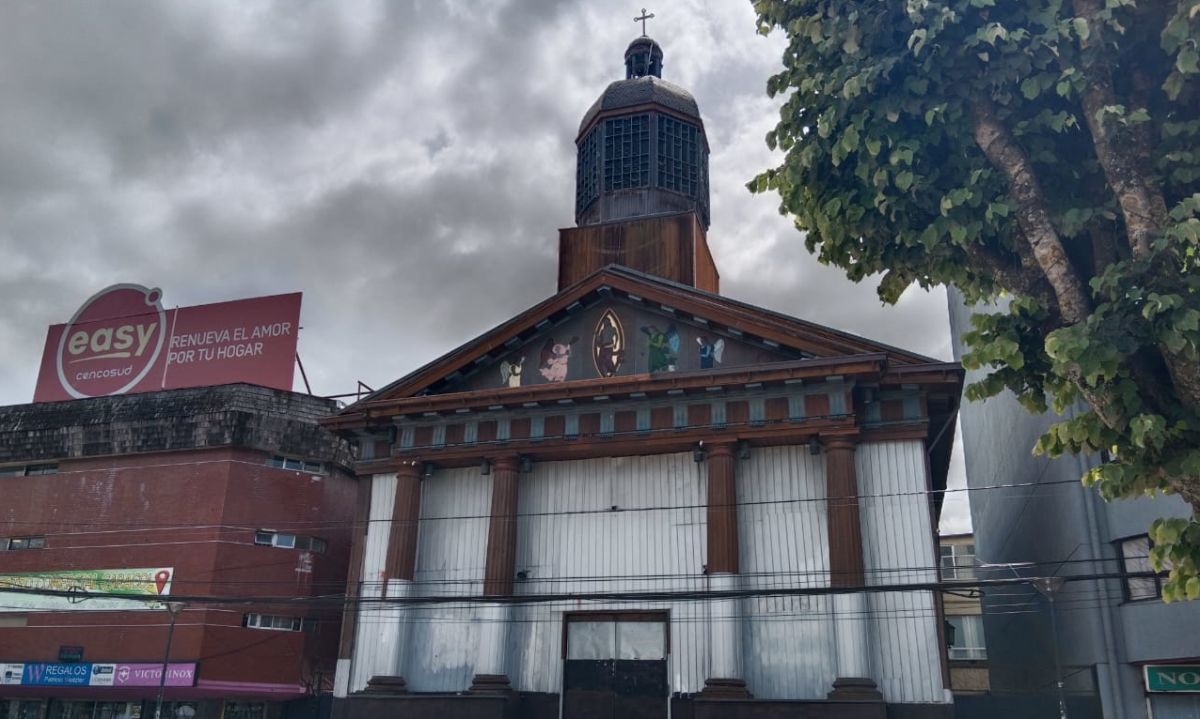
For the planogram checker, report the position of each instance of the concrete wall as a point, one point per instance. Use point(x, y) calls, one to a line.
point(1065, 529)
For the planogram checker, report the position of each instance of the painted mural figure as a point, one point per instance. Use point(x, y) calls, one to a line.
point(554, 359)
point(608, 345)
point(710, 352)
point(510, 372)
point(664, 348)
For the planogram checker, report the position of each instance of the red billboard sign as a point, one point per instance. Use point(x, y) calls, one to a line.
point(122, 341)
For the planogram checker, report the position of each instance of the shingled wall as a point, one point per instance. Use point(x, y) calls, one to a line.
point(237, 415)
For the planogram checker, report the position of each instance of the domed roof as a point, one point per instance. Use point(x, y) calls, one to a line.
point(639, 91)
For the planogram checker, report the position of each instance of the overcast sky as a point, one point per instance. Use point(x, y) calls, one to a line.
point(406, 165)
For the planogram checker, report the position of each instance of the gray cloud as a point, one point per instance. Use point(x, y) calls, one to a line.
point(405, 165)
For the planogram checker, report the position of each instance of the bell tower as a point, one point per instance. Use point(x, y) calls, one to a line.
point(641, 180)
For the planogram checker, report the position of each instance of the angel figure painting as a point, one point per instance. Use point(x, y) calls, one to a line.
point(664, 348)
point(510, 372)
point(710, 352)
point(554, 359)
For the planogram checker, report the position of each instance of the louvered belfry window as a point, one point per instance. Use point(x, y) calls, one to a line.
point(626, 152)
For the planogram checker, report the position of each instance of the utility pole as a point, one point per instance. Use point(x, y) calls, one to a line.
point(175, 608)
point(1049, 586)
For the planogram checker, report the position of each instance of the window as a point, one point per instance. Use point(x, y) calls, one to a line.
point(279, 623)
point(626, 152)
point(958, 561)
point(7, 543)
point(300, 465)
point(606, 638)
point(244, 710)
point(587, 171)
point(678, 153)
point(28, 470)
point(287, 540)
point(1135, 559)
point(966, 637)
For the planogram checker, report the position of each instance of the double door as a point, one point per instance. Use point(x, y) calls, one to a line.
point(616, 666)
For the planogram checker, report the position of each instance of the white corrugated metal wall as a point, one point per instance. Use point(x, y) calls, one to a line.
point(602, 525)
point(898, 547)
point(443, 639)
point(788, 641)
point(638, 523)
point(369, 656)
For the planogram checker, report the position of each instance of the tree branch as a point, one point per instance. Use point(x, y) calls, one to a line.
point(1141, 200)
point(1033, 217)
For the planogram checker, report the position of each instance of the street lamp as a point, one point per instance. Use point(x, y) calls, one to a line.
point(175, 608)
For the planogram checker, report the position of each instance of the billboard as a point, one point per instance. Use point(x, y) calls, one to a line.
point(122, 340)
point(151, 583)
point(86, 674)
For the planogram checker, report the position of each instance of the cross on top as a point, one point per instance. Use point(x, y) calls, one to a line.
point(643, 20)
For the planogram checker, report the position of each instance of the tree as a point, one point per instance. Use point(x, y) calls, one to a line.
point(1045, 151)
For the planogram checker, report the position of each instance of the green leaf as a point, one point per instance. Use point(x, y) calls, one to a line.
point(916, 40)
point(1188, 61)
point(1081, 28)
point(873, 146)
point(904, 180)
point(1030, 88)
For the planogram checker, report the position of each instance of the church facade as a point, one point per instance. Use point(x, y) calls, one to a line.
point(640, 498)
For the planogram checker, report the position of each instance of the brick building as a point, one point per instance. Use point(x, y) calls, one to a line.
point(226, 491)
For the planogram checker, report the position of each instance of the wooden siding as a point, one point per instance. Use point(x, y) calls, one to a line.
point(673, 247)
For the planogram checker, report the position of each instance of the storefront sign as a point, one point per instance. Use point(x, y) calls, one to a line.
point(1172, 677)
point(150, 583)
point(11, 674)
point(62, 674)
point(70, 653)
point(122, 340)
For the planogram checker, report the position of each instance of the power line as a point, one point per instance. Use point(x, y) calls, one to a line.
point(521, 599)
point(357, 523)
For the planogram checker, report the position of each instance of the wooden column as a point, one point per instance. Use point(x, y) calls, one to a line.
point(845, 530)
point(851, 620)
point(502, 529)
point(724, 680)
point(499, 570)
point(722, 510)
point(406, 511)
point(399, 570)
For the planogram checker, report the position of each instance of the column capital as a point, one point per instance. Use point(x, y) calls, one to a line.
point(721, 448)
point(840, 442)
point(505, 462)
point(409, 469)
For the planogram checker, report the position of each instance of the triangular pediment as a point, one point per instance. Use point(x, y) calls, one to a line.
point(619, 322)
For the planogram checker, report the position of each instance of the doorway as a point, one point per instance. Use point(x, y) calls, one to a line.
point(615, 665)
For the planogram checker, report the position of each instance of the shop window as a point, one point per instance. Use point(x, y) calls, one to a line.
point(28, 470)
point(244, 710)
point(276, 622)
point(1135, 559)
point(14, 543)
point(287, 540)
point(958, 561)
point(299, 465)
point(966, 637)
point(172, 710)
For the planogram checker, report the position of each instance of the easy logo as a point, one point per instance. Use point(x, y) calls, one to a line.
point(112, 341)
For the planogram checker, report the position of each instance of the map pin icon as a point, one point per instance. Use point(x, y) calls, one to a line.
point(161, 577)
